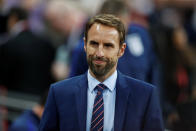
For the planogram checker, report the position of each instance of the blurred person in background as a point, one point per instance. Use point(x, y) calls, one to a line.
point(29, 120)
point(35, 10)
point(140, 11)
point(177, 55)
point(178, 71)
point(36, 14)
point(179, 85)
point(26, 58)
point(139, 60)
point(64, 20)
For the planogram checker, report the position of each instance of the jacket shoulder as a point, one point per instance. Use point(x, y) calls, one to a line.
point(69, 84)
point(137, 86)
point(137, 81)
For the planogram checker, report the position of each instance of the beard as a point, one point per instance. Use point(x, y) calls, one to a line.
point(100, 70)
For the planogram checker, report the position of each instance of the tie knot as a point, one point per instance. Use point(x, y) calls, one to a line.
point(100, 87)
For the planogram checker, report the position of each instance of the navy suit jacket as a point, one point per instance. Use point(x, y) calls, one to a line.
point(136, 107)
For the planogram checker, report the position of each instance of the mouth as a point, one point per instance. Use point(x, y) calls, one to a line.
point(98, 62)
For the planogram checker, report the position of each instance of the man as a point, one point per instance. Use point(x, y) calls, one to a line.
point(103, 98)
point(25, 58)
point(139, 58)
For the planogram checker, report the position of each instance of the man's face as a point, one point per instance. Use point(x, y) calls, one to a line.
point(103, 49)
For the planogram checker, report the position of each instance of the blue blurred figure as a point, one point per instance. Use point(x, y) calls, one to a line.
point(29, 120)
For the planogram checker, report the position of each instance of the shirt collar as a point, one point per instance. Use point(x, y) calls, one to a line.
point(110, 82)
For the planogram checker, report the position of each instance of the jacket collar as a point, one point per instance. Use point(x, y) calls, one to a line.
point(122, 94)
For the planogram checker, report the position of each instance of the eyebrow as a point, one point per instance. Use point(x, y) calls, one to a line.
point(93, 42)
point(109, 44)
point(105, 44)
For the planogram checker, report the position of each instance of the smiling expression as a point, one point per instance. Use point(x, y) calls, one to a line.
point(103, 50)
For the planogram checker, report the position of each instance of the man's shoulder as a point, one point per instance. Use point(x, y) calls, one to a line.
point(135, 84)
point(132, 80)
point(139, 91)
point(70, 82)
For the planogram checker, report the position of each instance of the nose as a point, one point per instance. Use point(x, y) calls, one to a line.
point(99, 52)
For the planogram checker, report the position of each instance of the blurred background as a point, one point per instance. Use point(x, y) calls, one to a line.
point(41, 43)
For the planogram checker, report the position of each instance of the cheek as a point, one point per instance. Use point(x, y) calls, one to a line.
point(112, 56)
point(90, 55)
point(90, 50)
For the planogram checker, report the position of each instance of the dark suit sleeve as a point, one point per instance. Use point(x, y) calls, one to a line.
point(49, 121)
point(153, 116)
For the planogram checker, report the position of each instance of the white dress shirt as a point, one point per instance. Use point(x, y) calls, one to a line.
point(109, 97)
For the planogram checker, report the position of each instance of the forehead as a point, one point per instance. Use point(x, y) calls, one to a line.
point(100, 31)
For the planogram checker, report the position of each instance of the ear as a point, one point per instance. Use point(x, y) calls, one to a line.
point(85, 42)
point(122, 49)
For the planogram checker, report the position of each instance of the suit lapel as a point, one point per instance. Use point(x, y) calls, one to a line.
point(122, 93)
point(81, 101)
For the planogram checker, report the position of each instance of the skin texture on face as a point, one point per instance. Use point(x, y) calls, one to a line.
point(103, 50)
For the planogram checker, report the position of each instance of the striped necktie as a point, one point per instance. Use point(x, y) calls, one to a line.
point(98, 109)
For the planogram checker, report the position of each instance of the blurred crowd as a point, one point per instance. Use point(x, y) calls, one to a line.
point(41, 42)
